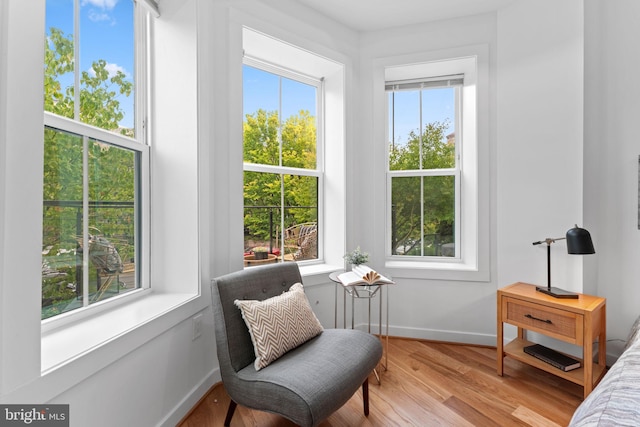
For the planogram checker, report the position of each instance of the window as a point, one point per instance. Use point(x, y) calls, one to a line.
point(424, 173)
point(282, 164)
point(95, 154)
point(437, 195)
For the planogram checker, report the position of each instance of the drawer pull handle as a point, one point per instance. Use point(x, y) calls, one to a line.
point(538, 319)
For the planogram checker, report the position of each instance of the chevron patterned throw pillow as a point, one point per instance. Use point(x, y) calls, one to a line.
point(279, 324)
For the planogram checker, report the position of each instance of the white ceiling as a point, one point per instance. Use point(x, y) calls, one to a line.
point(372, 15)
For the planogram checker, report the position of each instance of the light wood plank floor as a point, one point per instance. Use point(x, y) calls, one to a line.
point(431, 384)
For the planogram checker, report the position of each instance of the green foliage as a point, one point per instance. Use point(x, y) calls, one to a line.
point(99, 93)
point(56, 293)
point(99, 103)
point(439, 192)
point(58, 61)
point(356, 256)
point(260, 138)
point(437, 153)
point(299, 141)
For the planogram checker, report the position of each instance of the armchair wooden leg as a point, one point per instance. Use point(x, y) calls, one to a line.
point(365, 396)
point(230, 411)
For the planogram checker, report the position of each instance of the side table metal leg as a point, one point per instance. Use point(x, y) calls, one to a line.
point(386, 357)
point(369, 318)
point(344, 308)
point(380, 317)
point(335, 305)
point(352, 311)
point(385, 338)
point(375, 370)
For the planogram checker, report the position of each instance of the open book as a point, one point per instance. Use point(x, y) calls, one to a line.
point(362, 275)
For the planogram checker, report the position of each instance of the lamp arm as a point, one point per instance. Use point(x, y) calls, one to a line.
point(548, 240)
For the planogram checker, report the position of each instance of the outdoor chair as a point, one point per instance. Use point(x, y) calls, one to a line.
point(306, 384)
point(302, 240)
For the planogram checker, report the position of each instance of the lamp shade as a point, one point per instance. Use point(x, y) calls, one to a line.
point(579, 242)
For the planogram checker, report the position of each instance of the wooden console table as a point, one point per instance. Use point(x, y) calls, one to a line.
point(579, 321)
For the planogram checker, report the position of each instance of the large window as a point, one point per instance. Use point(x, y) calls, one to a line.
point(282, 164)
point(437, 210)
point(95, 153)
point(424, 171)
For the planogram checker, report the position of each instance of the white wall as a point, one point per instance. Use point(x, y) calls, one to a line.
point(612, 94)
point(154, 385)
point(540, 142)
point(567, 148)
point(451, 310)
point(540, 133)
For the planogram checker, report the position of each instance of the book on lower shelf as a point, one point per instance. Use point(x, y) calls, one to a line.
point(552, 357)
point(363, 275)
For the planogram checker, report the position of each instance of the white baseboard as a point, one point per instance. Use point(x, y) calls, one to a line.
point(433, 334)
point(191, 399)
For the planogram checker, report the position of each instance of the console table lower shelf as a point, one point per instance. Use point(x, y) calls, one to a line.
point(515, 349)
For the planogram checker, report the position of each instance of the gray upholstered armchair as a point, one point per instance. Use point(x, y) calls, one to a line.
point(306, 384)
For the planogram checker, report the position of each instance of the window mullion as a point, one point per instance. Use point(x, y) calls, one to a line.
point(282, 214)
point(420, 94)
point(424, 172)
point(458, 210)
point(76, 60)
point(142, 77)
point(280, 121)
point(85, 221)
point(281, 70)
point(63, 123)
point(256, 167)
point(422, 216)
point(458, 175)
point(393, 121)
point(420, 130)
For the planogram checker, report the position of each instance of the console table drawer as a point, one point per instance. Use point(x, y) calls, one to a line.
point(557, 323)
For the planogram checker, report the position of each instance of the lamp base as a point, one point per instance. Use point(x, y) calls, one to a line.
point(558, 293)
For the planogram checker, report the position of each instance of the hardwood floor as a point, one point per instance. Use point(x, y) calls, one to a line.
point(431, 384)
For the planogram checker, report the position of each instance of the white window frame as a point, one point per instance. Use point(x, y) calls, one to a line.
point(456, 172)
point(273, 45)
point(281, 170)
point(138, 144)
point(472, 261)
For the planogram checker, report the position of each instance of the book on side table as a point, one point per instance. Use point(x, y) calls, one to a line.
point(552, 357)
point(362, 275)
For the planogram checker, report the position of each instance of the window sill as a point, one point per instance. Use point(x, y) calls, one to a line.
point(453, 271)
point(121, 329)
point(317, 274)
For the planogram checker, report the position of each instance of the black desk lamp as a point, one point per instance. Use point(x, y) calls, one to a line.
point(578, 243)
